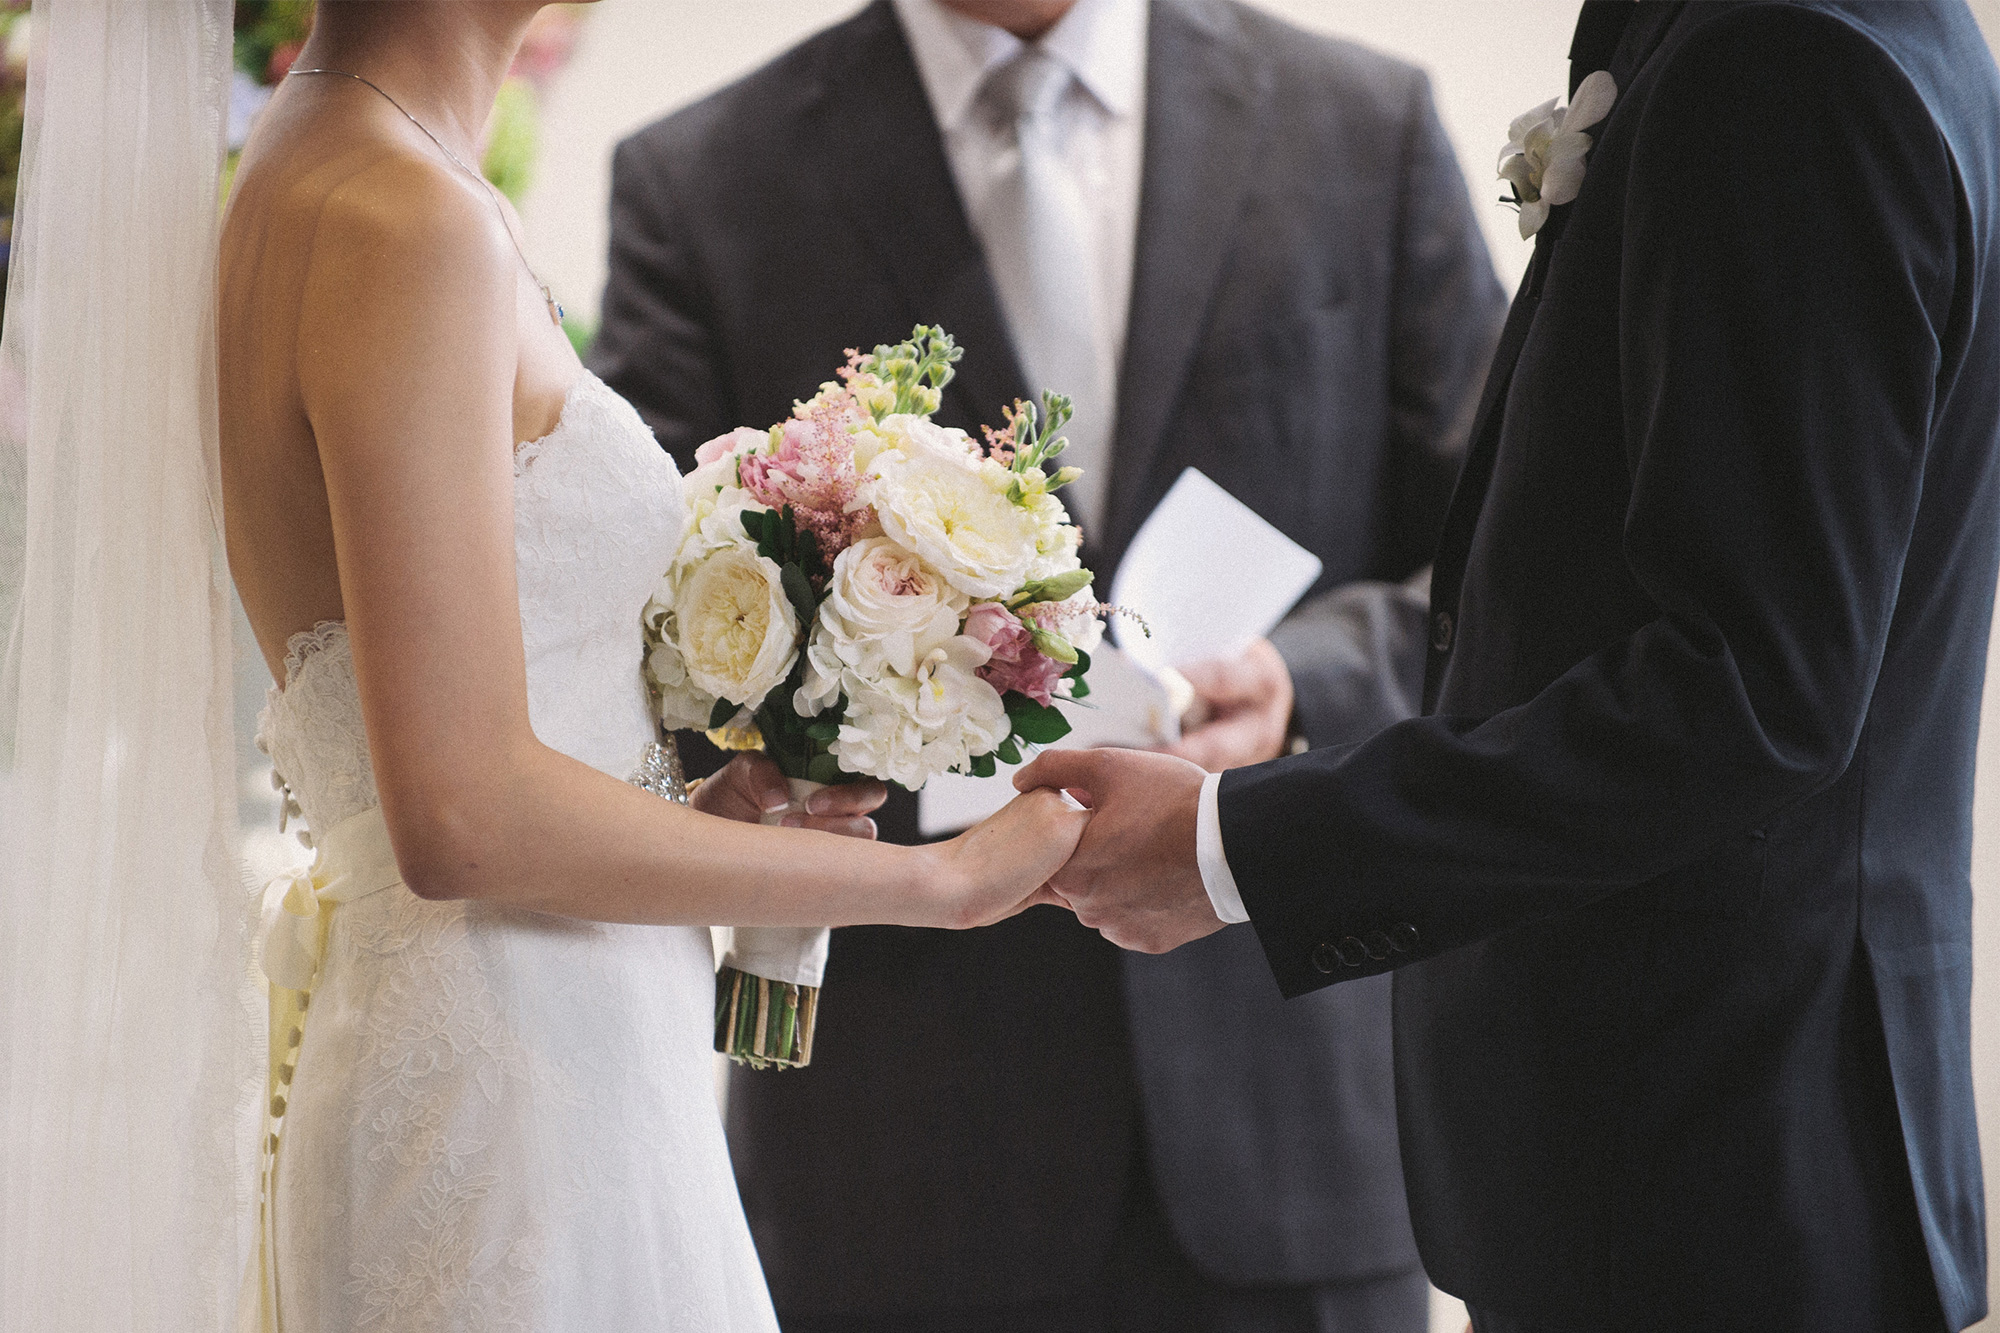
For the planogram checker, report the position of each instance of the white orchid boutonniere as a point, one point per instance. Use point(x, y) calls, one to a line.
point(1543, 159)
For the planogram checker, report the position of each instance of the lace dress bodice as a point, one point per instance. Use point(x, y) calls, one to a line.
point(597, 516)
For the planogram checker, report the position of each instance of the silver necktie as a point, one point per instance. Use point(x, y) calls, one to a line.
point(1036, 233)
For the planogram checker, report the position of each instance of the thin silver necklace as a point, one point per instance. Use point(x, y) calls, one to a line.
point(548, 295)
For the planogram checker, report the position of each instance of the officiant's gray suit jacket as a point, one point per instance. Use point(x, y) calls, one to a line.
point(1312, 311)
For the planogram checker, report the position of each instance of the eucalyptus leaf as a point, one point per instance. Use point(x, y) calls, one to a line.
point(1009, 751)
point(984, 767)
point(719, 715)
point(824, 768)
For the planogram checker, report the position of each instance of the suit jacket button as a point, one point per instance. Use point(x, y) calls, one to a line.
point(1402, 937)
point(1441, 628)
point(1378, 945)
point(1324, 959)
point(1351, 951)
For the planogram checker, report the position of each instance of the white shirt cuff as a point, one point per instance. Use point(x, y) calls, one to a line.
point(1209, 857)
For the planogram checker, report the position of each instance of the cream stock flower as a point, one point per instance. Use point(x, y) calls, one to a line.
point(909, 729)
point(1544, 156)
point(935, 495)
point(734, 627)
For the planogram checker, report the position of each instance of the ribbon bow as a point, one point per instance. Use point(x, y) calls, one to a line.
point(292, 935)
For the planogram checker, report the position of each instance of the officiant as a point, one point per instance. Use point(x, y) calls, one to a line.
point(1241, 248)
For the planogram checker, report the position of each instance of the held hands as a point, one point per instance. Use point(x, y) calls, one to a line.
point(1002, 865)
point(752, 784)
point(1246, 704)
point(986, 874)
point(1134, 877)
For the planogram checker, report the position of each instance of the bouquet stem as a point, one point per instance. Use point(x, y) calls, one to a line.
point(767, 1021)
point(764, 1023)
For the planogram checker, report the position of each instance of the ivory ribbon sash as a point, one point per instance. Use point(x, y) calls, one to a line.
point(354, 860)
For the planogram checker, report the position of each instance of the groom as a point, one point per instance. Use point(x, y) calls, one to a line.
point(1676, 865)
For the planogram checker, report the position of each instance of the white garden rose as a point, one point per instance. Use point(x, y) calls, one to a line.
point(883, 601)
point(884, 611)
point(681, 703)
point(936, 496)
point(734, 627)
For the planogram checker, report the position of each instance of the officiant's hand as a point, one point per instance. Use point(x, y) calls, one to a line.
point(752, 784)
point(1133, 876)
point(1245, 706)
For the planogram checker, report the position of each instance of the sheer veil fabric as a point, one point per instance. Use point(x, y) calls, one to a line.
point(130, 1054)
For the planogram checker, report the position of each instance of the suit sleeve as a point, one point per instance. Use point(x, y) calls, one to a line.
point(658, 344)
point(1790, 223)
point(1356, 652)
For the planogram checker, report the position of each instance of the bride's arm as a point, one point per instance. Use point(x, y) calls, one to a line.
point(408, 351)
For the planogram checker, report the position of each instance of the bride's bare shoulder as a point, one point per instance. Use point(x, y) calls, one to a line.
point(365, 217)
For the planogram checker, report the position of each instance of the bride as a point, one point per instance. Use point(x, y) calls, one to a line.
point(498, 1111)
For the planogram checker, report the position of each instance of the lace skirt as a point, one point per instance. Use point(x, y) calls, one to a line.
point(502, 1120)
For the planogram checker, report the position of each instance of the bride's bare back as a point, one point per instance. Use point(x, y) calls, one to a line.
point(331, 155)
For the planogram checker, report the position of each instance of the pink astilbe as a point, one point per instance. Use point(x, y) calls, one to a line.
point(1000, 443)
point(812, 470)
point(1016, 663)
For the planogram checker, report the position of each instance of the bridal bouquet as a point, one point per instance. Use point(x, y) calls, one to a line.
point(861, 592)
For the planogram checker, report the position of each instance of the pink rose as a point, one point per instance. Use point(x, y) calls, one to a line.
point(740, 438)
point(1016, 663)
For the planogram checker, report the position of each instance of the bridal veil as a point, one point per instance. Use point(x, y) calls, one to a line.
point(129, 1058)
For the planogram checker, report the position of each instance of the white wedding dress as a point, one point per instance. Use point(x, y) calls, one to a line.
point(499, 1119)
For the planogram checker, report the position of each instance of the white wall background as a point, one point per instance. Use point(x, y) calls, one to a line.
point(639, 59)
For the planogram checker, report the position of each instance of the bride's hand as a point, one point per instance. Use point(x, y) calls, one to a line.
point(1002, 866)
point(751, 785)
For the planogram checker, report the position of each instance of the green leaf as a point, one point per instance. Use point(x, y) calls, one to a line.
point(753, 524)
point(824, 768)
point(826, 732)
point(983, 766)
point(799, 590)
point(1009, 750)
point(809, 557)
point(1038, 724)
point(1082, 665)
point(1080, 689)
point(719, 715)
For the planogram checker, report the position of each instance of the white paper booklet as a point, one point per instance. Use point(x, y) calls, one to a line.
point(1209, 575)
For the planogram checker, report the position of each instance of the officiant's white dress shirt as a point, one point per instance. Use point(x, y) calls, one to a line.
point(1101, 134)
point(1100, 129)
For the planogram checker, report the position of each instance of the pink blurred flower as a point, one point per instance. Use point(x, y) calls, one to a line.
point(546, 46)
point(1016, 663)
point(813, 471)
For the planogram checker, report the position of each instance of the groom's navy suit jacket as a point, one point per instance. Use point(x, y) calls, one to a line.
point(1312, 312)
point(1683, 841)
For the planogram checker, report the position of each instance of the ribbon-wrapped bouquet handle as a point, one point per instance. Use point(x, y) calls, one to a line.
point(767, 993)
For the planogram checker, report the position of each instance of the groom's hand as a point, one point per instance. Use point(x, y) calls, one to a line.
point(1133, 877)
point(752, 784)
